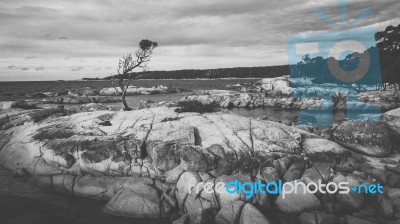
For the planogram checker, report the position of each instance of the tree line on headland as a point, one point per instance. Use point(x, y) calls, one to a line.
point(388, 47)
point(386, 54)
point(240, 72)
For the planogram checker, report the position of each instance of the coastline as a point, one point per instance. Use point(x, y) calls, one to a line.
point(102, 80)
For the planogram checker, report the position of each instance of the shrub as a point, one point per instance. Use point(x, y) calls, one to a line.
point(194, 106)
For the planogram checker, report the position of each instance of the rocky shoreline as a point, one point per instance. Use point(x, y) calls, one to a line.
point(143, 163)
point(135, 90)
point(84, 95)
point(277, 92)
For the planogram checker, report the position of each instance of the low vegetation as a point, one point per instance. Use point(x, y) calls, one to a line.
point(194, 106)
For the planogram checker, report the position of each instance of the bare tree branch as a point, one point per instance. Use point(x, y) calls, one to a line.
point(127, 64)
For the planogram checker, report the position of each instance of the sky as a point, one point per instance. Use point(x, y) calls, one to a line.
point(65, 40)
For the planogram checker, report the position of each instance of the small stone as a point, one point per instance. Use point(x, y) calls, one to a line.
point(252, 215)
point(322, 149)
point(294, 172)
point(296, 203)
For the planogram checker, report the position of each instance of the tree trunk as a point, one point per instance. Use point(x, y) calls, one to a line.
point(126, 107)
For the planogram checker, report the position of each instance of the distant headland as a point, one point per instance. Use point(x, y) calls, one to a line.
point(239, 72)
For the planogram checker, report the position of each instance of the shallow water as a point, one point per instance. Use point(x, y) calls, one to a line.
point(21, 202)
point(18, 90)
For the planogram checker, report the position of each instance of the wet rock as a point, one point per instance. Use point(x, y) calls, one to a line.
point(371, 138)
point(295, 203)
point(251, 214)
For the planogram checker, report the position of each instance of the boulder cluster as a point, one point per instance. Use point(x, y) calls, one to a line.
point(228, 99)
point(135, 90)
point(76, 96)
point(290, 93)
point(149, 163)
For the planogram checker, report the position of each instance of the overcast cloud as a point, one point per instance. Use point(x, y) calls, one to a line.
point(51, 39)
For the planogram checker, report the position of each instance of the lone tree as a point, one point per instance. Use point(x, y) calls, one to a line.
point(128, 63)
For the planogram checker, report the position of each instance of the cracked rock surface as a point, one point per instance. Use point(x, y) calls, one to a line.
point(149, 164)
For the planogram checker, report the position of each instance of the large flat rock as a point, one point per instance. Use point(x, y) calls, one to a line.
point(147, 142)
